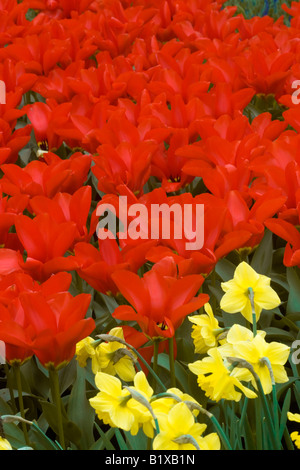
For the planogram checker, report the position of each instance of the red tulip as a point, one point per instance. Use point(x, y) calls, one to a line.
point(47, 177)
point(159, 303)
point(47, 326)
point(64, 207)
point(46, 242)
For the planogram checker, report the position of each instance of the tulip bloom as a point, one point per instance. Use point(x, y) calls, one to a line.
point(46, 242)
point(64, 207)
point(48, 326)
point(159, 303)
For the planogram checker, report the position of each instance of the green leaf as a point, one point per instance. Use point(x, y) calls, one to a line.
point(120, 439)
point(293, 304)
point(138, 442)
point(280, 279)
point(71, 430)
point(262, 258)
point(11, 430)
point(39, 440)
point(66, 376)
point(285, 409)
point(225, 269)
point(180, 373)
point(79, 410)
point(104, 441)
point(278, 334)
point(37, 380)
point(31, 14)
point(231, 319)
point(196, 392)
point(106, 437)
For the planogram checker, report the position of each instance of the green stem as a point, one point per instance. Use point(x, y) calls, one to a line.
point(275, 412)
point(221, 433)
point(261, 396)
point(194, 405)
point(251, 297)
point(258, 424)
point(201, 309)
point(172, 362)
point(243, 256)
point(54, 382)
point(243, 414)
point(10, 388)
point(213, 283)
point(155, 360)
point(79, 284)
point(17, 372)
point(266, 361)
point(270, 424)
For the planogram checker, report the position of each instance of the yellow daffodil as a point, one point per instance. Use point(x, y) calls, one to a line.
point(114, 358)
point(236, 334)
point(293, 417)
point(111, 403)
point(179, 431)
point(256, 351)
point(84, 350)
point(143, 414)
point(110, 357)
point(210, 442)
point(215, 377)
point(295, 436)
point(205, 330)
point(127, 408)
point(237, 298)
point(4, 444)
point(164, 404)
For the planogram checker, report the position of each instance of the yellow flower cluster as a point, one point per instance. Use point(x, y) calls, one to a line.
point(217, 373)
point(168, 419)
